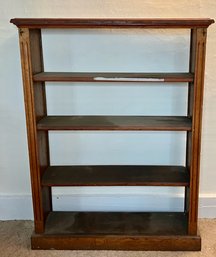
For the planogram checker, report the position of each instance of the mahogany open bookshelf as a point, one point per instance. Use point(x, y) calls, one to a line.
point(112, 230)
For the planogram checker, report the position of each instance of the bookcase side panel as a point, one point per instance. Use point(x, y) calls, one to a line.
point(197, 66)
point(37, 158)
point(41, 111)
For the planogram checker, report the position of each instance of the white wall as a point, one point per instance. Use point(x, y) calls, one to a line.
point(107, 50)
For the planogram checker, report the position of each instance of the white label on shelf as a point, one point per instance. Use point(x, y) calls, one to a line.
point(128, 79)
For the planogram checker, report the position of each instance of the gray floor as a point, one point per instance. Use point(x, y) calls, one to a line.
point(15, 235)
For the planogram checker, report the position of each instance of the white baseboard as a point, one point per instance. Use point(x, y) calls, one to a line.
point(19, 207)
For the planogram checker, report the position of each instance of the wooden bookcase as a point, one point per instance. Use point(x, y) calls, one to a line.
point(111, 230)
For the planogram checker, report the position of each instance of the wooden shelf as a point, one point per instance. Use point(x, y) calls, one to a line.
point(157, 123)
point(116, 223)
point(112, 77)
point(115, 175)
point(165, 231)
point(111, 23)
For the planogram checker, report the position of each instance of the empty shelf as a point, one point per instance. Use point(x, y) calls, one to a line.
point(116, 175)
point(116, 223)
point(116, 231)
point(172, 123)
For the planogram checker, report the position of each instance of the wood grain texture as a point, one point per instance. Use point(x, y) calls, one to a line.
point(40, 111)
point(116, 231)
point(116, 223)
point(116, 242)
point(115, 175)
point(198, 66)
point(193, 40)
point(112, 77)
point(111, 23)
point(35, 106)
point(157, 123)
point(34, 158)
point(100, 230)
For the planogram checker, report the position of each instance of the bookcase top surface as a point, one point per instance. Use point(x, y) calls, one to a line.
point(111, 23)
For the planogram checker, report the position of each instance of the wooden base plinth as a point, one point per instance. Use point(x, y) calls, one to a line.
point(146, 243)
point(164, 231)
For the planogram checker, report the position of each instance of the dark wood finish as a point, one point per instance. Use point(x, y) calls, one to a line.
point(116, 242)
point(193, 39)
point(111, 23)
point(36, 55)
point(194, 139)
point(116, 175)
point(113, 77)
point(116, 231)
point(100, 230)
point(40, 111)
point(31, 117)
point(116, 223)
point(174, 123)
